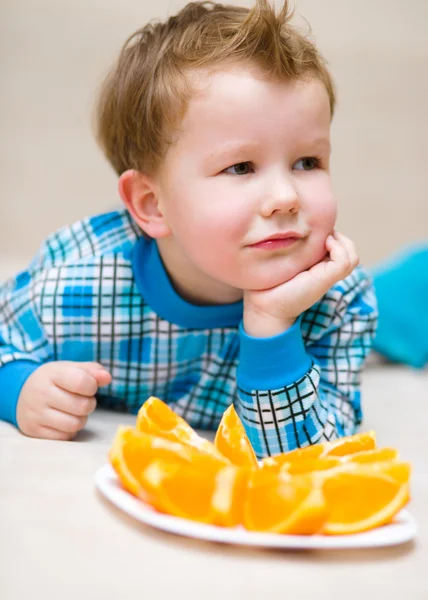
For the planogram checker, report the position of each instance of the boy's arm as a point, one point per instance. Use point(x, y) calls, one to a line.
point(296, 390)
point(23, 343)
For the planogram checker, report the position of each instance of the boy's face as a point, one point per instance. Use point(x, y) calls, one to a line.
point(251, 161)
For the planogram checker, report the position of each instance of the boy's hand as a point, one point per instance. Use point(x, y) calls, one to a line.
point(273, 311)
point(57, 398)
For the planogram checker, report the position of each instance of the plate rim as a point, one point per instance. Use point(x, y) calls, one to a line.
point(107, 482)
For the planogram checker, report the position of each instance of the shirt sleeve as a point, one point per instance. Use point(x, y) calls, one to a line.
point(303, 386)
point(23, 343)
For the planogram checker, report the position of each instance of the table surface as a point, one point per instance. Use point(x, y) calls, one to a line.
point(59, 535)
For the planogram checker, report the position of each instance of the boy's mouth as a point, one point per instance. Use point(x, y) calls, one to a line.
point(278, 240)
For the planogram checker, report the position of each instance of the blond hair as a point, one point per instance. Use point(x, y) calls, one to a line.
point(145, 96)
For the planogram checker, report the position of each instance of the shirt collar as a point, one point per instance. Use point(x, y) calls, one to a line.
point(158, 292)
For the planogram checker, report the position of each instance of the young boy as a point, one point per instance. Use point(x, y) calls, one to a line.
point(223, 280)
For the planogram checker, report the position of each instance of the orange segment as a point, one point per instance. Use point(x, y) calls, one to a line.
point(294, 456)
point(282, 504)
point(323, 468)
point(358, 501)
point(341, 447)
point(397, 470)
point(232, 441)
point(310, 465)
point(351, 444)
point(157, 418)
point(229, 495)
point(185, 491)
point(372, 456)
point(132, 451)
point(310, 516)
point(180, 492)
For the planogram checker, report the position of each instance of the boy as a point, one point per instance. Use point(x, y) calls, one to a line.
point(223, 279)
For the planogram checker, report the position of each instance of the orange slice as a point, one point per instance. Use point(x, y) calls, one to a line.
point(229, 495)
point(372, 456)
point(323, 468)
point(359, 501)
point(340, 447)
point(397, 470)
point(232, 441)
point(311, 465)
point(282, 504)
point(294, 456)
point(204, 496)
point(351, 444)
point(132, 451)
point(157, 418)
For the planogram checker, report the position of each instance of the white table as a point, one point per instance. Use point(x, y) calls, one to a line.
point(60, 540)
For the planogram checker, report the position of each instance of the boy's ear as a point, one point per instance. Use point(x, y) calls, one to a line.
point(139, 194)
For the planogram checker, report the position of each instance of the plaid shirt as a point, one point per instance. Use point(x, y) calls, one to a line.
point(97, 291)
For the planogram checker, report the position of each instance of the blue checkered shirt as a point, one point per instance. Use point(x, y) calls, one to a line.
point(98, 291)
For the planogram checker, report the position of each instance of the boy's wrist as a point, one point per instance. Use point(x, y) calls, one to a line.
point(272, 362)
point(257, 324)
point(13, 376)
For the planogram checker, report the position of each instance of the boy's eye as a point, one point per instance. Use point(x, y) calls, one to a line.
point(307, 164)
point(242, 168)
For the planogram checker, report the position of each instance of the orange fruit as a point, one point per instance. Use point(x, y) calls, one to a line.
point(132, 450)
point(371, 456)
point(294, 456)
point(310, 465)
point(351, 444)
point(340, 447)
point(397, 470)
point(358, 501)
point(232, 441)
point(229, 495)
point(157, 418)
point(278, 503)
point(335, 488)
point(214, 497)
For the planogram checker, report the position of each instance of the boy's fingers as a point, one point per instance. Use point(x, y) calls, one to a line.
point(330, 270)
point(61, 421)
point(352, 251)
point(73, 404)
point(47, 433)
point(75, 379)
point(97, 370)
point(338, 251)
point(91, 367)
point(350, 248)
point(103, 378)
point(341, 262)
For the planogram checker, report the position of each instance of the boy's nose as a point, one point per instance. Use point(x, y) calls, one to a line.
point(282, 197)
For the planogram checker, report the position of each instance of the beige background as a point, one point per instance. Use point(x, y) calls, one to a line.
point(60, 535)
point(54, 54)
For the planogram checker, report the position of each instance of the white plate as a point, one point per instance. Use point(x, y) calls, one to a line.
point(402, 530)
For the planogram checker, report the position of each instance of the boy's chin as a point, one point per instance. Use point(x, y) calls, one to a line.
point(271, 278)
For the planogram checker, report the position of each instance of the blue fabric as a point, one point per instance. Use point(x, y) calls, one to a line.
point(401, 287)
point(98, 291)
point(155, 286)
point(262, 360)
point(13, 375)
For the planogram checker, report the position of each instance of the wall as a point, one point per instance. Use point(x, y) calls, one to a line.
point(54, 54)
